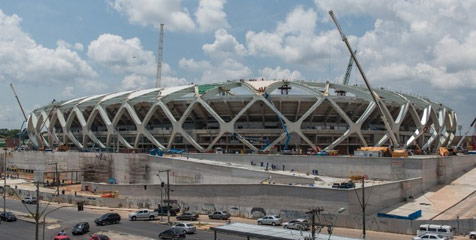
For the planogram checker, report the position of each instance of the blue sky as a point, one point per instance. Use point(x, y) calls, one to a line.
point(66, 49)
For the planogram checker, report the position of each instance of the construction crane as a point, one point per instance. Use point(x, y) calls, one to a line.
point(159, 58)
point(466, 134)
point(393, 139)
point(22, 131)
point(283, 124)
point(347, 75)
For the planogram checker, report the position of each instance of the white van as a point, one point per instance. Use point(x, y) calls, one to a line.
point(444, 230)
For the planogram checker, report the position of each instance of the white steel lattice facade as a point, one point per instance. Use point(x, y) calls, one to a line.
point(242, 115)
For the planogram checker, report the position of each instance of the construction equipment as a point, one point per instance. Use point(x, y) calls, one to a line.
point(283, 124)
point(393, 139)
point(347, 75)
point(466, 134)
point(250, 139)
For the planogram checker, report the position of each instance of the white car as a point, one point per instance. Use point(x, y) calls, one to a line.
point(431, 236)
point(143, 214)
point(270, 220)
point(472, 234)
point(186, 228)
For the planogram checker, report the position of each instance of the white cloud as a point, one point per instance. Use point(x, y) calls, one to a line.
point(122, 55)
point(294, 41)
point(280, 74)
point(227, 69)
point(67, 92)
point(209, 14)
point(225, 46)
point(134, 81)
point(422, 42)
point(23, 60)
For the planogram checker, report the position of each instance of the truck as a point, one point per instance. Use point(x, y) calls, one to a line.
point(143, 214)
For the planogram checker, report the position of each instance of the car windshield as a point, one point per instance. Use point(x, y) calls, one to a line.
point(8, 214)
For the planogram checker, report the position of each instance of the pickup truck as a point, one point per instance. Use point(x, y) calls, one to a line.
point(143, 214)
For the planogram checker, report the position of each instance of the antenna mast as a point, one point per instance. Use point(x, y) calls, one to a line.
point(159, 61)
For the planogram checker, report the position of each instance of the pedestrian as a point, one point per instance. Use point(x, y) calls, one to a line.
point(75, 193)
point(62, 191)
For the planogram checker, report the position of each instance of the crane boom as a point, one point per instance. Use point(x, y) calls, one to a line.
point(376, 99)
point(18, 100)
point(466, 133)
point(349, 69)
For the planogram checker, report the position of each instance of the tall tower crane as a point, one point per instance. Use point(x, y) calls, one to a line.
point(159, 59)
point(347, 75)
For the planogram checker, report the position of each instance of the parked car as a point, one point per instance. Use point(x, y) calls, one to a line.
point(188, 216)
point(348, 184)
point(185, 227)
point(270, 220)
point(61, 237)
point(29, 200)
point(81, 228)
point(472, 234)
point(8, 217)
point(143, 214)
point(431, 236)
point(298, 224)
point(162, 211)
point(222, 215)
point(108, 218)
point(172, 234)
point(99, 237)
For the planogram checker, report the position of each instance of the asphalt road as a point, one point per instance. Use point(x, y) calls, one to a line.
point(69, 216)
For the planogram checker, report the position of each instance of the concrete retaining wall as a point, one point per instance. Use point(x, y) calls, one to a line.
point(274, 198)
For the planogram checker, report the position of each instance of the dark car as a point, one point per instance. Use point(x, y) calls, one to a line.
point(162, 211)
point(99, 237)
point(172, 234)
point(108, 218)
point(81, 228)
point(8, 217)
point(188, 216)
point(348, 184)
point(222, 215)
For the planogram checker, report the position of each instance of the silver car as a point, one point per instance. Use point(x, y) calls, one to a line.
point(185, 228)
point(270, 220)
point(431, 236)
point(298, 224)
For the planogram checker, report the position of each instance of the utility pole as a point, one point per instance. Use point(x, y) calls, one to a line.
point(37, 212)
point(314, 212)
point(363, 207)
point(4, 180)
point(168, 197)
point(168, 194)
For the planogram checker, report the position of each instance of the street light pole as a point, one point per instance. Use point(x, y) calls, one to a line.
point(341, 210)
point(168, 193)
point(44, 217)
point(37, 213)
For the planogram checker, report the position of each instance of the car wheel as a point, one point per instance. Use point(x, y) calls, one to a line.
point(273, 223)
point(133, 218)
point(259, 223)
point(151, 218)
point(472, 236)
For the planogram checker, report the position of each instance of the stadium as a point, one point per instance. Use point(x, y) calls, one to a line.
point(242, 116)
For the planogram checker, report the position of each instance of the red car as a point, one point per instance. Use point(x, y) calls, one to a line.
point(99, 237)
point(61, 237)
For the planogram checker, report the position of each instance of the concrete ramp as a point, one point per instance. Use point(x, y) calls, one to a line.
point(442, 202)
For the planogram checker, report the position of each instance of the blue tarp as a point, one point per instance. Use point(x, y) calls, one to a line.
point(411, 216)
